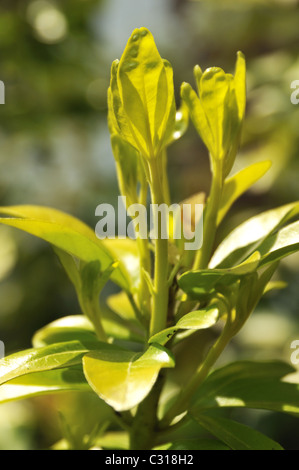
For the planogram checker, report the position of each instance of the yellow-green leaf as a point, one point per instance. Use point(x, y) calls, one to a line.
point(198, 116)
point(194, 283)
point(124, 378)
point(117, 119)
point(214, 87)
point(127, 164)
point(240, 84)
point(44, 383)
point(237, 184)
point(146, 90)
point(196, 320)
point(65, 232)
point(70, 328)
point(121, 305)
point(250, 234)
point(54, 356)
point(126, 251)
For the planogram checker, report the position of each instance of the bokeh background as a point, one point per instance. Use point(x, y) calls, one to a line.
point(55, 62)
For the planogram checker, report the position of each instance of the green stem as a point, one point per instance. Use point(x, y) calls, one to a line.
point(160, 297)
point(92, 310)
point(165, 181)
point(181, 405)
point(143, 430)
point(210, 219)
point(145, 261)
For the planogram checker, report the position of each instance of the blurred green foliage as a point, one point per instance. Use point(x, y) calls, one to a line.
point(54, 150)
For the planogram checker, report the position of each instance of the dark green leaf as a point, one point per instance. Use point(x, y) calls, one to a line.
point(200, 444)
point(236, 435)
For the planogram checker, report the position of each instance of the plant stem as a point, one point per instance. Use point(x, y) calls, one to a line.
point(91, 309)
point(210, 219)
point(181, 405)
point(143, 430)
point(144, 257)
point(160, 298)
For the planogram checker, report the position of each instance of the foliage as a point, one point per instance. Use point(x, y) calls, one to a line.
point(126, 358)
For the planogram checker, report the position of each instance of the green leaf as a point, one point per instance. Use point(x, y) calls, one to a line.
point(199, 444)
point(70, 328)
point(195, 283)
point(119, 330)
point(281, 244)
point(44, 383)
point(92, 283)
point(64, 232)
point(127, 164)
point(251, 385)
point(125, 251)
point(121, 305)
point(247, 237)
point(214, 88)
point(196, 320)
point(237, 184)
point(124, 378)
point(117, 119)
point(236, 435)
point(197, 115)
point(55, 356)
point(118, 440)
point(146, 89)
point(71, 267)
point(181, 122)
point(89, 282)
point(240, 84)
point(218, 111)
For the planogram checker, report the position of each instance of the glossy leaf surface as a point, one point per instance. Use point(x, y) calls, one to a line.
point(124, 378)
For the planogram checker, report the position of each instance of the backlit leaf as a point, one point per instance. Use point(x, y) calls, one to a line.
point(44, 383)
point(65, 232)
point(50, 357)
point(237, 184)
point(146, 89)
point(70, 328)
point(251, 385)
point(196, 320)
point(197, 282)
point(246, 238)
point(124, 378)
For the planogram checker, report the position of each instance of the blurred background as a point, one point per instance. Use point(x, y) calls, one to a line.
point(55, 62)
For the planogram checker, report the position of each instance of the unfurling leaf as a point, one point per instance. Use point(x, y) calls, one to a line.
point(217, 111)
point(141, 96)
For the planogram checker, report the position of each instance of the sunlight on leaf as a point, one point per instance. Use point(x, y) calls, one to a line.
point(124, 378)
